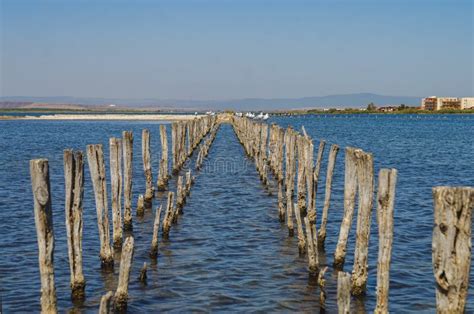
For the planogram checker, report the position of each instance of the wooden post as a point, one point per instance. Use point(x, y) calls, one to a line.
point(290, 177)
point(121, 295)
point(317, 167)
point(308, 157)
point(313, 256)
point(143, 276)
point(343, 292)
point(451, 247)
point(146, 156)
point(179, 197)
point(189, 145)
point(301, 236)
point(174, 146)
point(322, 290)
point(281, 206)
point(385, 204)
point(281, 142)
point(263, 153)
point(350, 189)
point(156, 228)
point(168, 216)
point(140, 205)
point(301, 182)
point(127, 145)
point(189, 182)
point(163, 172)
point(327, 197)
point(182, 144)
point(95, 158)
point(39, 172)
point(116, 187)
point(365, 178)
point(74, 192)
point(107, 303)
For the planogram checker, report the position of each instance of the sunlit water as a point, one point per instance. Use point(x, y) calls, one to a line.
point(228, 251)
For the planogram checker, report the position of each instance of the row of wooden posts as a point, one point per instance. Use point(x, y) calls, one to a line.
point(186, 136)
point(288, 154)
point(285, 153)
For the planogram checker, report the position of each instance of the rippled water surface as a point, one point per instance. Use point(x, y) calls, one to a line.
point(228, 251)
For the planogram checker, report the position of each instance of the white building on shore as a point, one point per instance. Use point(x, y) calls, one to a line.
point(437, 103)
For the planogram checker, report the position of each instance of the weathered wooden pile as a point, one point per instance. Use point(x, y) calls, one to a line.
point(289, 156)
point(190, 132)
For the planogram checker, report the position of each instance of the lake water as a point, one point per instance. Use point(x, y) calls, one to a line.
point(228, 251)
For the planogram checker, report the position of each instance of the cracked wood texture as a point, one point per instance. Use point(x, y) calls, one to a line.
point(163, 171)
point(327, 195)
point(39, 172)
point(313, 254)
point(180, 197)
point(451, 247)
point(74, 192)
point(309, 174)
point(301, 236)
point(343, 292)
point(121, 294)
point(317, 170)
point(95, 158)
point(385, 206)
point(127, 146)
point(301, 180)
point(115, 147)
point(290, 144)
point(350, 190)
point(168, 216)
point(156, 228)
point(365, 179)
point(146, 156)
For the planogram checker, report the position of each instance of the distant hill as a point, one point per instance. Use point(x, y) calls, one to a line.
point(359, 100)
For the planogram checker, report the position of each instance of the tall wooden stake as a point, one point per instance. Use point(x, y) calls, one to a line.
point(343, 292)
point(385, 204)
point(290, 142)
point(156, 228)
point(39, 171)
point(168, 216)
point(74, 192)
point(146, 156)
point(327, 198)
point(301, 236)
point(317, 167)
point(116, 187)
point(365, 178)
point(452, 246)
point(127, 145)
point(163, 172)
point(350, 190)
point(313, 254)
point(301, 181)
point(121, 295)
point(95, 158)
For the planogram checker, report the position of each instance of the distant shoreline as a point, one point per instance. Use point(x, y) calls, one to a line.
point(153, 115)
point(373, 112)
point(105, 117)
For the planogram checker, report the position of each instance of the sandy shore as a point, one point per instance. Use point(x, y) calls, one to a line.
point(143, 117)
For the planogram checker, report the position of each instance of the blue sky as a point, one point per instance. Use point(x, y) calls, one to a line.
point(236, 49)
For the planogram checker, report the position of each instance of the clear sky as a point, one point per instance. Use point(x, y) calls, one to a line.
point(235, 49)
